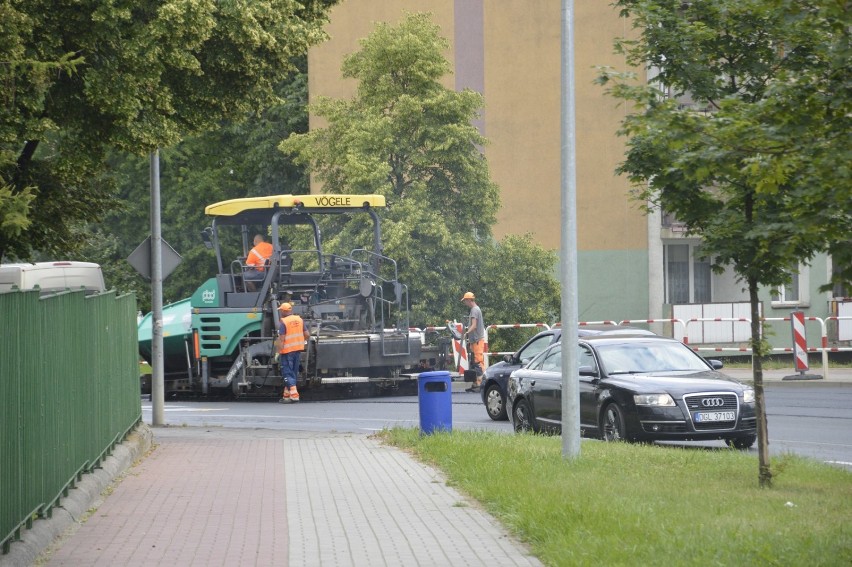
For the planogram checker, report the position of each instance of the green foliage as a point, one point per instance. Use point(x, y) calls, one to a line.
point(759, 165)
point(757, 162)
point(85, 78)
point(406, 136)
point(13, 210)
point(623, 504)
point(238, 159)
point(519, 286)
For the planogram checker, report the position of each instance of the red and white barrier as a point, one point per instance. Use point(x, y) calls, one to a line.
point(678, 321)
point(460, 351)
point(800, 342)
point(800, 348)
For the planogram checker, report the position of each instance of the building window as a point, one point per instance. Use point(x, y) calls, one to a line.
point(794, 293)
point(700, 277)
point(790, 292)
point(688, 274)
point(677, 273)
point(839, 290)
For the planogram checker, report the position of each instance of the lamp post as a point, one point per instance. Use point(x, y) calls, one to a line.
point(157, 370)
point(568, 253)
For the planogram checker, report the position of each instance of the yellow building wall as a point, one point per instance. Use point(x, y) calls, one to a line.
point(599, 149)
point(522, 81)
point(352, 20)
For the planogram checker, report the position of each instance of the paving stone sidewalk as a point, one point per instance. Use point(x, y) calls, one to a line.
point(209, 496)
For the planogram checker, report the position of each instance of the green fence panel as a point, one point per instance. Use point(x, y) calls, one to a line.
point(69, 392)
point(14, 325)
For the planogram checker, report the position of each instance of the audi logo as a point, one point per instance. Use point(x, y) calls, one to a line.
point(712, 402)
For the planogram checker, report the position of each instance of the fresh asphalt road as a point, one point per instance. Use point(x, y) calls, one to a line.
point(808, 419)
point(360, 415)
point(813, 420)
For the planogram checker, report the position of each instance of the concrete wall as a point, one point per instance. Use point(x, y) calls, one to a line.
point(613, 284)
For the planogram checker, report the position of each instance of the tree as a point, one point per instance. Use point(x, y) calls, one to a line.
point(758, 165)
point(238, 159)
point(83, 78)
point(518, 286)
point(406, 136)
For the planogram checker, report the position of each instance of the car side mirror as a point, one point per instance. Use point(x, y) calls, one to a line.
point(716, 364)
point(507, 358)
point(588, 371)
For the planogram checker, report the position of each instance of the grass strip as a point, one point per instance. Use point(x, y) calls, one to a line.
point(630, 504)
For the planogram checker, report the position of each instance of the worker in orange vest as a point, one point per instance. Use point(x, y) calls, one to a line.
point(292, 338)
point(256, 261)
point(261, 252)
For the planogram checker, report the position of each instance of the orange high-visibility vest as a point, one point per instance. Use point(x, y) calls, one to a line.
point(259, 255)
point(294, 334)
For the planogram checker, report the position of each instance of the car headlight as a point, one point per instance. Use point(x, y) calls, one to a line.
point(748, 396)
point(653, 400)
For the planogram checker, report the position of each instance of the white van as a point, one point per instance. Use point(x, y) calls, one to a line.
point(52, 277)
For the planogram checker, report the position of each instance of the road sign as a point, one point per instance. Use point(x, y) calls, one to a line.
point(140, 258)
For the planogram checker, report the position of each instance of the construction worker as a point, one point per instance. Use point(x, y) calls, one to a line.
point(475, 334)
point(292, 335)
point(261, 252)
point(256, 260)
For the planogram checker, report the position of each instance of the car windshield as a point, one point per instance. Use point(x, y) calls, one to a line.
point(535, 346)
point(662, 356)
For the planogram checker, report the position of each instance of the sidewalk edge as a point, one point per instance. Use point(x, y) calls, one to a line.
point(73, 508)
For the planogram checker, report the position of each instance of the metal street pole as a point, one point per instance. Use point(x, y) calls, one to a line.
point(568, 256)
point(157, 370)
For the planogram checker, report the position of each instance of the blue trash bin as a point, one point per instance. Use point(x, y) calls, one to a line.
point(435, 398)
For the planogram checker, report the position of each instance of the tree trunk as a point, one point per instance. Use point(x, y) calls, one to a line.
point(22, 169)
point(757, 346)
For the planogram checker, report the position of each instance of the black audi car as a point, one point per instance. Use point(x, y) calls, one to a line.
point(496, 377)
point(636, 388)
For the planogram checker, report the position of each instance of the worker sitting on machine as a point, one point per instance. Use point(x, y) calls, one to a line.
point(256, 262)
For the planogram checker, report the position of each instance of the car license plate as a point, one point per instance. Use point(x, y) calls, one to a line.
point(704, 417)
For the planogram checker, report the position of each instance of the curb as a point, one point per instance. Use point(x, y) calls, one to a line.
point(73, 508)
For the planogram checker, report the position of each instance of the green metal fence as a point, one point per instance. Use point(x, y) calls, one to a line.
point(69, 393)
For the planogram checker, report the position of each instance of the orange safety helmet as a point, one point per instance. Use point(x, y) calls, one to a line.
point(468, 295)
point(285, 307)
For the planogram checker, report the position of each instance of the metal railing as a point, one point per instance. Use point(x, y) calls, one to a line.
point(69, 393)
point(682, 326)
point(823, 349)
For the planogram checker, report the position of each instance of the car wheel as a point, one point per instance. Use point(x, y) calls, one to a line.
point(523, 418)
point(613, 423)
point(495, 403)
point(740, 442)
